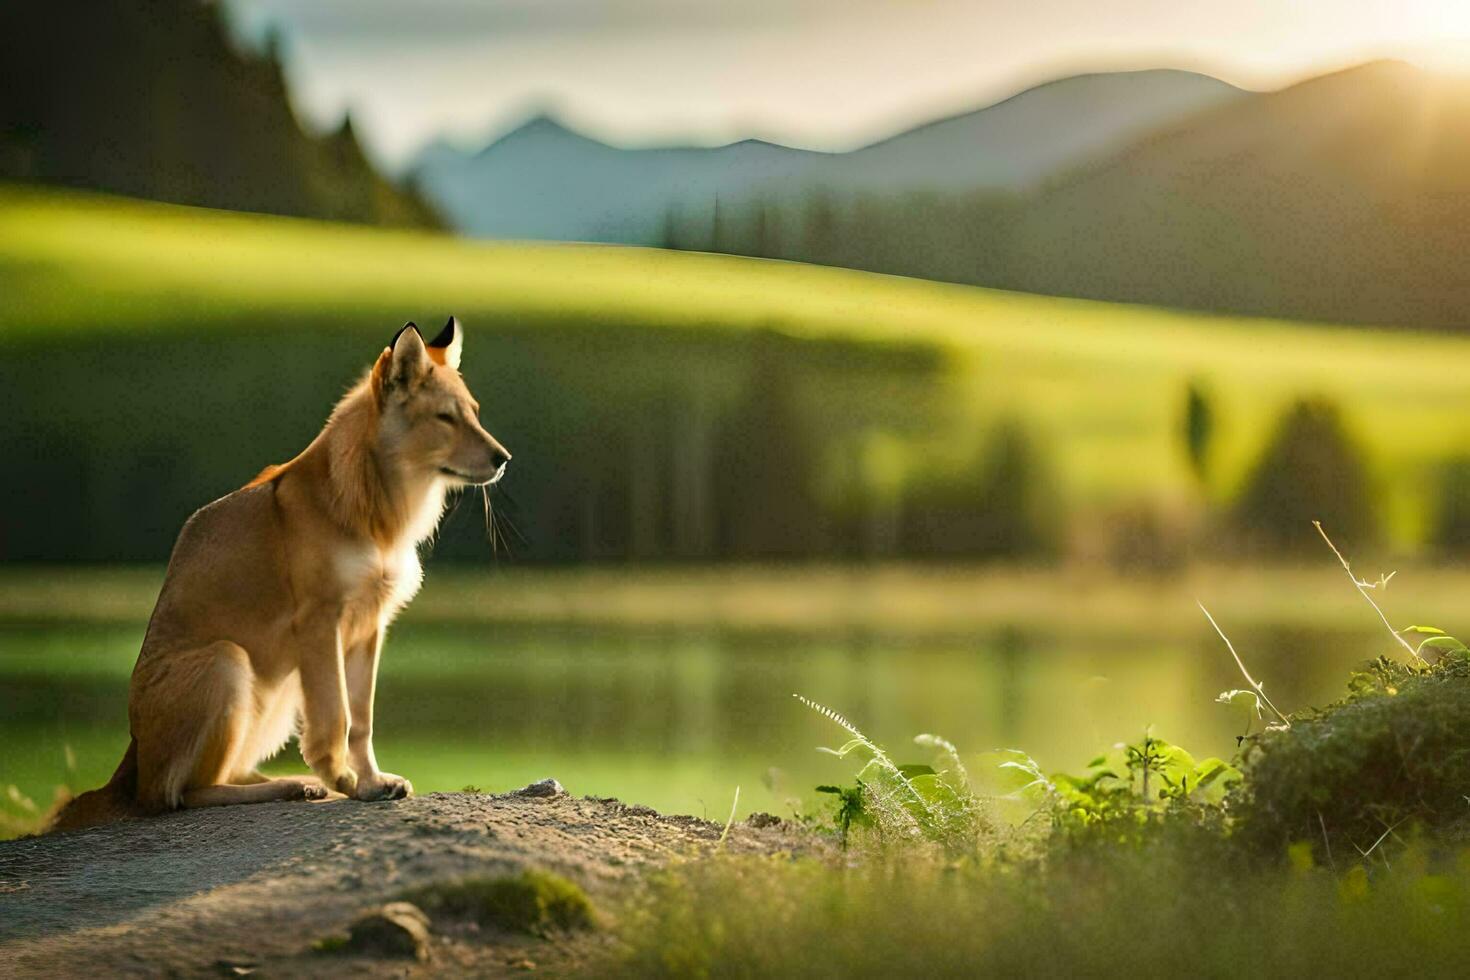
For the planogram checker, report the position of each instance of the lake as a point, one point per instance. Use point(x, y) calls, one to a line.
point(677, 716)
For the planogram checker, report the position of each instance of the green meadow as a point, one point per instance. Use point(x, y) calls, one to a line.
point(1099, 385)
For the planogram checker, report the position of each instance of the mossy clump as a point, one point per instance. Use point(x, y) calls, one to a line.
point(396, 930)
point(533, 902)
point(1391, 756)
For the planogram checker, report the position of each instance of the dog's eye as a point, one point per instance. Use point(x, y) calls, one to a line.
point(445, 417)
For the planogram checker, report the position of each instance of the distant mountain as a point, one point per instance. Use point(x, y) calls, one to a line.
point(149, 98)
point(1023, 140)
point(1345, 197)
point(546, 181)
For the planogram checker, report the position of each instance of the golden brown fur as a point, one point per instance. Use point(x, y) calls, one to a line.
point(278, 595)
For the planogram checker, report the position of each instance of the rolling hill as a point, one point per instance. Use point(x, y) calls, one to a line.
point(156, 356)
point(545, 181)
point(1345, 197)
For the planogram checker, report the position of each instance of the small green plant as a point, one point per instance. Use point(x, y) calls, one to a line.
point(1437, 641)
point(913, 801)
point(850, 809)
point(1126, 787)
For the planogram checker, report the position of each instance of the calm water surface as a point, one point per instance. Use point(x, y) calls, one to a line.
point(678, 720)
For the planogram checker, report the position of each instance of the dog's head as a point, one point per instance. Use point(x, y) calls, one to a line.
point(430, 421)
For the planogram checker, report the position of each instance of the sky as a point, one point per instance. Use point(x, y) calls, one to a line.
point(823, 74)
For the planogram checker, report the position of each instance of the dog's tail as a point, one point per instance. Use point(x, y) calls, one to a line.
point(118, 800)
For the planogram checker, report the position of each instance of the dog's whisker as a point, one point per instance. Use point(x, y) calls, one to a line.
point(508, 523)
point(504, 522)
point(495, 534)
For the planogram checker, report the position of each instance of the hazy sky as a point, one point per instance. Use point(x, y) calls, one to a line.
point(816, 73)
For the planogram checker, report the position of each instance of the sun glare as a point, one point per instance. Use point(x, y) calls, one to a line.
point(1450, 55)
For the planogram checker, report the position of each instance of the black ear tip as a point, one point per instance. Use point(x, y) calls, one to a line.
point(446, 336)
point(410, 325)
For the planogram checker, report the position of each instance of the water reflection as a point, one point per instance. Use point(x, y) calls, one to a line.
point(678, 718)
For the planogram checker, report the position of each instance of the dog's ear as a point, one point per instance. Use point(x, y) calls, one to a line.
point(405, 359)
point(446, 348)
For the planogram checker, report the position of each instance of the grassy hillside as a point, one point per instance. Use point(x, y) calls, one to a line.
point(90, 286)
point(1338, 198)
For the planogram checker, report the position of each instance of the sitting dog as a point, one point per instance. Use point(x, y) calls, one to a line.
point(277, 596)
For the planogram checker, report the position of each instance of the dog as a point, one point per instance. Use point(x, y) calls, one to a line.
point(277, 598)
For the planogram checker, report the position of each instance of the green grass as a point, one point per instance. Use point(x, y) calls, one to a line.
point(1138, 913)
point(1103, 383)
point(1336, 849)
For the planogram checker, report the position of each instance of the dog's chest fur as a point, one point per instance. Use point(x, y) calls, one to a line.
point(376, 584)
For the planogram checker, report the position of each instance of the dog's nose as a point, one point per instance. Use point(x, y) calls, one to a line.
point(499, 457)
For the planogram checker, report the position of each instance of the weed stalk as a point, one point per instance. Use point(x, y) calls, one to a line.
point(1255, 685)
point(1363, 588)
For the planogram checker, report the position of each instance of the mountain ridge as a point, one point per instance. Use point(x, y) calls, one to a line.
point(1341, 197)
point(545, 115)
point(546, 179)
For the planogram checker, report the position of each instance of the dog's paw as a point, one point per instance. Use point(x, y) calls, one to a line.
point(383, 786)
point(302, 788)
point(347, 783)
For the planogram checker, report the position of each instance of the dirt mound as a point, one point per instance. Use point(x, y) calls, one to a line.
point(234, 890)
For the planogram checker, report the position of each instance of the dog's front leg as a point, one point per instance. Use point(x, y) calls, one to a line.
point(362, 682)
point(324, 702)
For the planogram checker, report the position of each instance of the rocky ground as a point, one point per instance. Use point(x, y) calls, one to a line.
point(256, 890)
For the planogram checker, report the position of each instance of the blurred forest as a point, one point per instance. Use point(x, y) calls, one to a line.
point(151, 99)
point(694, 407)
point(627, 446)
point(743, 446)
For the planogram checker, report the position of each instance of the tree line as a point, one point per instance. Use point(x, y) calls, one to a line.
point(152, 99)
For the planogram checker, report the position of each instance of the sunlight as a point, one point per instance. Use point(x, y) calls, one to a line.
point(1442, 32)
